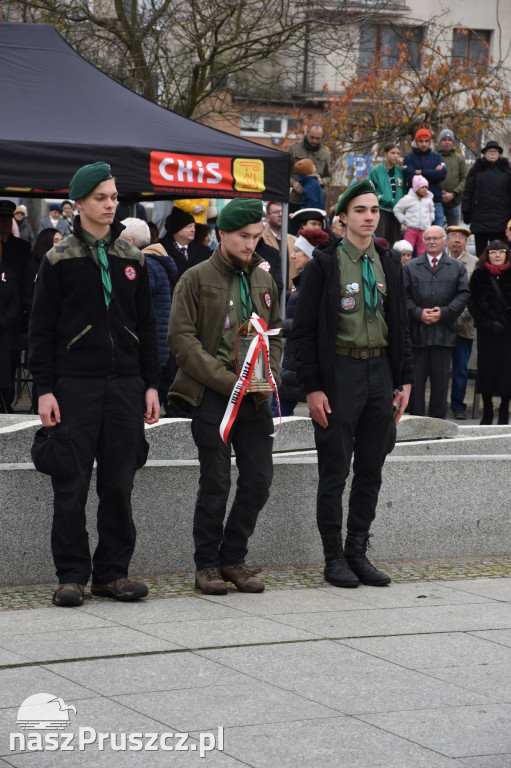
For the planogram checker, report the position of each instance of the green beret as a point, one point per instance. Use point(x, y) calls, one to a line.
point(240, 212)
point(87, 178)
point(359, 188)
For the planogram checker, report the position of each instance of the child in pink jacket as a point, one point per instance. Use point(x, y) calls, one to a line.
point(417, 212)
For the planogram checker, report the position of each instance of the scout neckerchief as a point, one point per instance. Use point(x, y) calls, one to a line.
point(369, 283)
point(246, 301)
point(105, 270)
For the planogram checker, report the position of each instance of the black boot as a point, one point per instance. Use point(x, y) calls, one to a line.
point(504, 411)
point(355, 551)
point(487, 410)
point(337, 572)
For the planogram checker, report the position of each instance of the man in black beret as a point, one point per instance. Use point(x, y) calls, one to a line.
point(179, 241)
point(210, 304)
point(93, 355)
point(354, 360)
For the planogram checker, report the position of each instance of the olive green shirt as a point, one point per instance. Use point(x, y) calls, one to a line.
point(233, 320)
point(355, 327)
point(90, 240)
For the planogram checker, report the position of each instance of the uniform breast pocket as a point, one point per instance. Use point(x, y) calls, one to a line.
point(350, 298)
point(382, 295)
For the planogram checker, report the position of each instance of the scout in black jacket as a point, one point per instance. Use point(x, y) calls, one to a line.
point(93, 354)
point(354, 360)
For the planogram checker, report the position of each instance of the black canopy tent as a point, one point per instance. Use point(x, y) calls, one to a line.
point(46, 134)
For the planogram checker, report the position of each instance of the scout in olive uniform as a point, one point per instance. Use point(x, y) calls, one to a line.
point(94, 358)
point(211, 301)
point(354, 360)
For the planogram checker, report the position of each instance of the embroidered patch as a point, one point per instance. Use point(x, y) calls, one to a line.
point(348, 302)
point(267, 300)
point(130, 272)
point(265, 265)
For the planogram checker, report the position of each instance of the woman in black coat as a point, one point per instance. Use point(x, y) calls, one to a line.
point(291, 391)
point(9, 306)
point(486, 202)
point(490, 306)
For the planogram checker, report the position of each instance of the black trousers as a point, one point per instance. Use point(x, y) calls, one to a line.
point(433, 362)
point(105, 418)
point(216, 544)
point(361, 425)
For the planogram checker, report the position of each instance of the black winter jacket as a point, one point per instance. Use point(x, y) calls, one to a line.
point(486, 202)
point(290, 388)
point(71, 331)
point(317, 313)
point(426, 162)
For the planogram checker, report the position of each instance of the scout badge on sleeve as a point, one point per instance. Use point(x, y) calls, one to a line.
point(252, 356)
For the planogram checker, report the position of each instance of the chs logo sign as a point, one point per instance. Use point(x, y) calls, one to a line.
point(173, 173)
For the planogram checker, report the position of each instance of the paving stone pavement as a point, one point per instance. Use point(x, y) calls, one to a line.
point(414, 675)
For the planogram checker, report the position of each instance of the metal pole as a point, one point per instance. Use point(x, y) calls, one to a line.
point(283, 257)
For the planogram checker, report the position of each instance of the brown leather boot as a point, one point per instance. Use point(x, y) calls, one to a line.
point(242, 577)
point(210, 582)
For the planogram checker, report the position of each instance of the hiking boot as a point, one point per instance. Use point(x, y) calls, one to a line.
point(242, 577)
point(460, 415)
point(68, 595)
point(210, 582)
point(121, 589)
point(355, 550)
point(337, 571)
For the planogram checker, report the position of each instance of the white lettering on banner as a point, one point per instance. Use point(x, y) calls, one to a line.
point(218, 176)
point(186, 169)
point(183, 168)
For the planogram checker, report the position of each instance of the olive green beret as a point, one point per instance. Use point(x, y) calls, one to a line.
point(359, 188)
point(87, 178)
point(240, 212)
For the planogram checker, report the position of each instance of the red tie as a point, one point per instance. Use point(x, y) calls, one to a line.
point(183, 251)
point(434, 260)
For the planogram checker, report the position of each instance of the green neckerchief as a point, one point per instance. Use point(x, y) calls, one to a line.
point(99, 248)
point(246, 301)
point(368, 278)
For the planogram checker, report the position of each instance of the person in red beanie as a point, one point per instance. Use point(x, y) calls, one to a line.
point(423, 161)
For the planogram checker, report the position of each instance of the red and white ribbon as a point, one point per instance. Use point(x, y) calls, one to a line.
point(260, 341)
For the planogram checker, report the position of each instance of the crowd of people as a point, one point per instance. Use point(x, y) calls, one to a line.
point(130, 318)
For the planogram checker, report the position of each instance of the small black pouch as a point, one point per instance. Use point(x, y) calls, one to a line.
point(54, 454)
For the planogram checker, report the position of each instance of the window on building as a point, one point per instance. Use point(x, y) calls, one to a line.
point(471, 45)
point(385, 40)
point(257, 124)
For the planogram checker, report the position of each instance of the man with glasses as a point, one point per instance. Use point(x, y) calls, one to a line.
point(437, 292)
point(272, 236)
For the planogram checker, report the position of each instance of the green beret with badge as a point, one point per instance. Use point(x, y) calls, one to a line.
point(359, 188)
point(87, 178)
point(239, 213)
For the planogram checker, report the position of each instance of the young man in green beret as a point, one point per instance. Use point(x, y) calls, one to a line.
point(354, 359)
point(210, 303)
point(93, 355)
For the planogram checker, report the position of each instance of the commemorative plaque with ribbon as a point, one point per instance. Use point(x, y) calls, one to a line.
point(252, 355)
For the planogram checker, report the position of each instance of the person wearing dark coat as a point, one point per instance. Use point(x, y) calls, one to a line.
point(272, 257)
point(179, 241)
point(486, 202)
point(436, 293)
point(163, 277)
point(291, 392)
point(490, 306)
point(14, 253)
point(354, 360)
point(423, 161)
point(9, 306)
